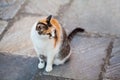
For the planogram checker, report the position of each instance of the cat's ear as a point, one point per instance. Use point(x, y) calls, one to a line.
point(48, 20)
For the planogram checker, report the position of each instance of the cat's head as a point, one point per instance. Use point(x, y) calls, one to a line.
point(45, 27)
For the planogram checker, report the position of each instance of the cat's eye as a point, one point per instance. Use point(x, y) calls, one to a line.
point(39, 26)
point(42, 26)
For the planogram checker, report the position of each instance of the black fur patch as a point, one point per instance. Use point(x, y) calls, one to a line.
point(42, 57)
point(65, 47)
point(48, 20)
point(75, 31)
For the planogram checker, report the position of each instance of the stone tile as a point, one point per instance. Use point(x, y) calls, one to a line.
point(86, 59)
point(95, 16)
point(14, 67)
point(113, 70)
point(17, 38)
point(3, 25)
point(9, 8)
point(44, 7)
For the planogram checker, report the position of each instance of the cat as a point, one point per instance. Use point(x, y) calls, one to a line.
point(51, 42)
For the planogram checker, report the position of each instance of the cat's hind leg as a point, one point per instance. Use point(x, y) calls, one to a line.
point(58, 61)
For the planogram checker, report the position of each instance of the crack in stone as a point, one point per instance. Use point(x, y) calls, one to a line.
point(5, 30)
point(30, 14)
point(46, 77)
point(98, 35)
point(10, 24)
point(106, 60)
point(21, 12)
point(63, 9)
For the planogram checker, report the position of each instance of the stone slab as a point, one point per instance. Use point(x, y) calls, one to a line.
point(9, 8)
point(113, 70)
point(3, 25)
point(17, 38)
point(86, 59)
point(95, 16)
point(44, 7)
point(16, 67)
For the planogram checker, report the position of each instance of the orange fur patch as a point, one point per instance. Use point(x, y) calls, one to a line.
point(57, 26)
point(43, 20)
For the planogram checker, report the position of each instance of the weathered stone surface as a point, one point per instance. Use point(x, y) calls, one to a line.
point(17, 38)
point(9, 8)
point(95, 16)
point(15, 67)
point(47, 77)
point(113, 70)
point(44, 7)
point(86, 59)
point(3, 25)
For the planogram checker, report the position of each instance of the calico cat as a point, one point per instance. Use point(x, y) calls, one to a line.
point(51, 42)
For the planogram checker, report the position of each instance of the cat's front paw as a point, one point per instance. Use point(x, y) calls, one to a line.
point(48, 68)
point(41, 65)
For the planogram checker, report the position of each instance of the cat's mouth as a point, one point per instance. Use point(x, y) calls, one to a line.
point(49, 34)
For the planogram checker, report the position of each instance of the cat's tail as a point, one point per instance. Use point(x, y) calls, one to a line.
point(75, 31)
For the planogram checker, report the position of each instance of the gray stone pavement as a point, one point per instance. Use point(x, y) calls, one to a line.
point(113, 68)
point(16, 67)
point(101, 16)
point(95, 53)
point(9, 8)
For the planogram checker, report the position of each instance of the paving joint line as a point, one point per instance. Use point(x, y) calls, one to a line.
point(39, 76)
point(10, 23)
point(106, 60)
point(98, 35)
point(24, 14)
point(63, 9)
